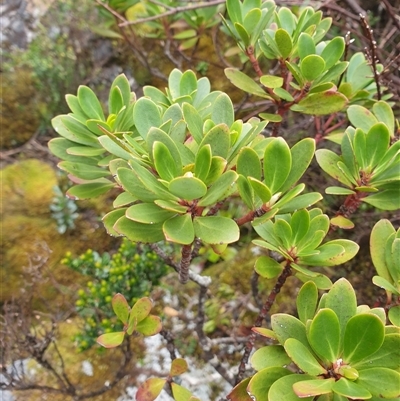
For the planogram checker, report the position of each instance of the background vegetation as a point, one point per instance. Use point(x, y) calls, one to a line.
point(56, 277)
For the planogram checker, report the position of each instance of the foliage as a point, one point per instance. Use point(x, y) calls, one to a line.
point(338, 350)
point(178, 157)
point(135, 320)
point(63, 211)
point(133, 269)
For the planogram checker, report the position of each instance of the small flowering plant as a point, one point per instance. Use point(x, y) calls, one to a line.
point(334, 350)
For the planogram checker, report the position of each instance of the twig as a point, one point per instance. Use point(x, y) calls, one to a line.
point(204, 341)
point(185, 263)
point(170, 343)
point(172, 12)
point(260, 318)
point(202, 281)
point(110, 10)
point(254, 289)
point(371, 53)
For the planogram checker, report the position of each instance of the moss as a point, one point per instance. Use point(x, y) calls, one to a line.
point(18, 99)
point(29, 235)
point(27, 188)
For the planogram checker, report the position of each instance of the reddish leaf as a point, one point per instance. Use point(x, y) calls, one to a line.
point(178, 367)
point(150, 389)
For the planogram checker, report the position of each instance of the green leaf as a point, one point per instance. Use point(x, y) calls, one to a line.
point(267, 267)
point(89, 190)
point(312, 66)
point(202, 162)
point(111, 340)
point(140, 310)
point(302, 153)
point(342, 222)
point(84, 171)
point(283, 94)
point(321, 281)
point(110, 219)
point(300, 223)
point(385, 200)
point(221, 189)
point(243, 34)
point(384, 113)
point(333, 51)
point(349, 389)
point(234, 10)
point(276, 118)
point(380, 382)
point(324, 335)
point(377, 144)
point(178, 366)
point(364, 335)
point(270, 356)
point(394, 315)
point(385, 284)
point(387, 356)
point(321, 103)
point(342, 300)
point(328, 161)
point(248, 163)
point(271, 81)
point(286, 19)
point(361, 117)
point(303, 358)
point(306, 301)
point(287, 326)
point(219, 140)
point(120, 307)
point(338, 191)
point(179, 229)
point(146, 115)
point(284, 42)
point(306, 45)
point(131, 183)
point(139, 232)
point(260, 189)
point(277, 164)
point(149, 326)
point(313, 387)
point(166, 165)
point(90, 103)
point(300, 202)
point(156, 134)
point(150, 389)
point(187, 187)
point(123, 199)
point(222, 111)
point(122, 83)
point(216, 230)
point(148, 213)
point(246, 192)
point(85, 151)
point(193, 121)
point(239, 392)
point(171, 206)
point(180, 393)
point(218, 165)
point(262, 381)
point(282, 389)
point(245, 83)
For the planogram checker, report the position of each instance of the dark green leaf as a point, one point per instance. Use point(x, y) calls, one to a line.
point(324, 335)
point(139, 232)
point(321, 103)
point(306, 301)
point(89, 190)
point(364, 335)
point(179, 229)
point(270, 356)
point(303, 358)
point(216, 230)
point(267, 267)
